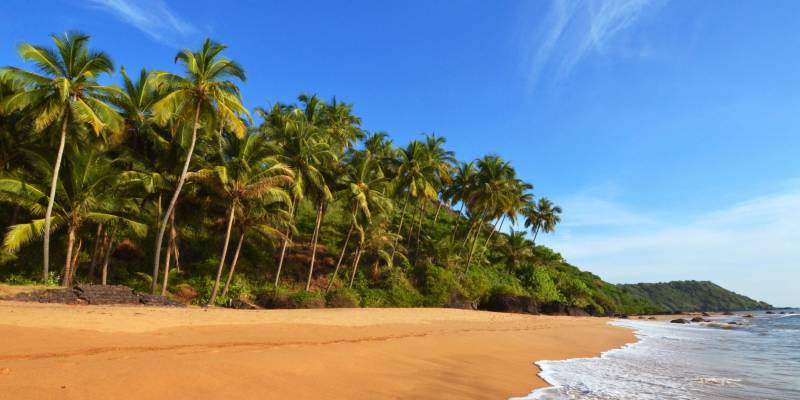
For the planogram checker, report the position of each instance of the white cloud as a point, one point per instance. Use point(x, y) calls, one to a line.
point(574, 28)
point(752, 247)
point(152, 17)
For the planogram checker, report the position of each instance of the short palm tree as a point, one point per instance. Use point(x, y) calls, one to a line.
point(205, 96)
point(63, 95)
point(542, 216)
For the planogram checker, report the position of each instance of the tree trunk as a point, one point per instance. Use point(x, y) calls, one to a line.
point(170, 250)
point(355, 266)
point(314, 240)
point(286, 240)
point(213, 298)
point(51, 200)
point(400, 227)
point(109, 243)
point(233, 264)
point(458, 221)
point(163, 225)
point(175, 247)
point(341, 256)
point(472, 251)
point(535, 233)
point(98, 241)
point(167, 264)
point(486, 246)
point(75, 258)
point(70, 242)
point(419, 229)
point(438, 208)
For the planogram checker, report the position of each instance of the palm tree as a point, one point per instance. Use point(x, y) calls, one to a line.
point(63, 95)
point(303, 149)
point(365, 185)
point(515, 248)
point(542, 216)
point(247, 172)
point(88, 192)
point(203, 95)
point(416, 176)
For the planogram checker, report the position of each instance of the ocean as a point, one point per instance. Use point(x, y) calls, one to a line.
point(758, 359)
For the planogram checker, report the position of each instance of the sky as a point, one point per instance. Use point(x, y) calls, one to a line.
point(666, 130)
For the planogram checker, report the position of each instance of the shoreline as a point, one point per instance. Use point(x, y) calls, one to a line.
point(151, 352)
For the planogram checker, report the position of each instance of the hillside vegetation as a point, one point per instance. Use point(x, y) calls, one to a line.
point(692, 296)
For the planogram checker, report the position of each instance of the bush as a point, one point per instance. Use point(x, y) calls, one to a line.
point(440, 285)
point(344, 298)
point(306, 299)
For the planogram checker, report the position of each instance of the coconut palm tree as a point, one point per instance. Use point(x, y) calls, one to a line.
point(542, 216)
point(515, 247)
point(204, 95)
point(365, 192)
point(63, 95)
point(248, 171)
point(87, 192)
point(416, 177)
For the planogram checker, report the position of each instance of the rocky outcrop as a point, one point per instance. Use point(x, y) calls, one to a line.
point(459, 301)
point(680, 321)
point(96, 295)
point(511, 303)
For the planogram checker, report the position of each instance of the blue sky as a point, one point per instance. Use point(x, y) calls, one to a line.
point(667, 130)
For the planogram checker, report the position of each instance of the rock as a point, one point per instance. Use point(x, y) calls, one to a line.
point(680, 321)
point(624, 316)
point(459, 301)
point(155, 300)
point(510, 303)
point(270, 300)
point(783, 312)
point(770, 312)
point(733, 323)
point(698, 319)
point(749, 316)
point(640, 317)
point(651, 317)
point(705, 314)
point(185, 293)
point(727, 313)
point(240, 305)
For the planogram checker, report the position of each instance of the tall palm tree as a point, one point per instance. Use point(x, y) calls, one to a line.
point(205, 96)
point(416, 177)
point(247, 172)
point(63, 95)
point(365, 192)
point(542, 216)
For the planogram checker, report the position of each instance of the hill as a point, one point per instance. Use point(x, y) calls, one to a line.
point(692, 296)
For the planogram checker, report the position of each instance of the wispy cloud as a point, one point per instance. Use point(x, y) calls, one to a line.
point(572, 29)
point(751, 247)
point(152, 17)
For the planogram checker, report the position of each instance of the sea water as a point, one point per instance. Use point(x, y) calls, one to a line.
point(759, 358)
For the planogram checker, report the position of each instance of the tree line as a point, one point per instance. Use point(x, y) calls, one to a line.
point(155, 171)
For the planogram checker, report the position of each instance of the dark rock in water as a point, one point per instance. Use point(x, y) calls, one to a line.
point(727, 313)
point(680, 321)
point(461, 302)
point(510, 303)
point(640, 317)
point(705, 314)
point(770, 312)
point(749, 316)
point(651, 317)
point(624, 316)
point(783, 312)
point(698, 319)
point(733, 323)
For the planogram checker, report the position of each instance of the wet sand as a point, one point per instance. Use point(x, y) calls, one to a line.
point(113, 352)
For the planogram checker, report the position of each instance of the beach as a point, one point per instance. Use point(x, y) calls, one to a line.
point(77, 352)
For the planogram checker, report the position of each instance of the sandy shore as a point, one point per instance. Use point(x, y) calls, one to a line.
point(94, 352)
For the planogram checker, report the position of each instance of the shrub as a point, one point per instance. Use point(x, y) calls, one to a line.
point(440, 285)
point(344, 298)
point(306, 299)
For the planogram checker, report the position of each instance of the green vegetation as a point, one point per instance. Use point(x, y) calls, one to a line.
point(692, 296)
point(167, 183)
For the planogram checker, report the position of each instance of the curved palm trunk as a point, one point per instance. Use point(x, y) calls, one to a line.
point(170, 251)
point(472, 251)
point(535, 233)
point(341, 256)
point(355, 266)
point(458, 221)
point(438, 209)
point(163, 226)
point(495, 228)
point(51, 200)
point(285, 242)
point(233, 265)
point(314, 240)
point(65, 281)
point(213, 298)
point(400, 227)
point(75, 258)
point(419, 229)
